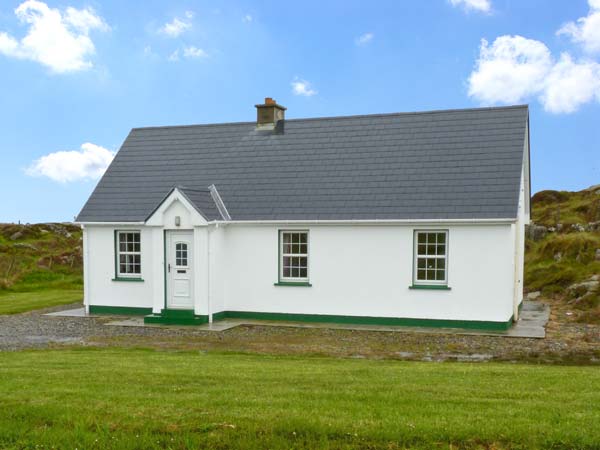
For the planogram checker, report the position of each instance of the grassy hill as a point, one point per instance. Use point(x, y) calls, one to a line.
point(40, 265)
point(562, 258)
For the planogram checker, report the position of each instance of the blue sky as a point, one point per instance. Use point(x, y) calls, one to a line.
point(76, 76)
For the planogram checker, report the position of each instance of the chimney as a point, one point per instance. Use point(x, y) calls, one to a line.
point(269, 115)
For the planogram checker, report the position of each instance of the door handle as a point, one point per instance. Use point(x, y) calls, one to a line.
point(169, 269)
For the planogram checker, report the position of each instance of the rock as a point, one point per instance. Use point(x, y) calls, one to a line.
point(559, 226)
point(593, 226)
point(533, 295)
point(24, 245)
point(588, 285)
point(595, 278)
point(577, 227)
point(597, 257)
point(15, 236)
point(557, 256)
point(551, 229)
point(536, 232)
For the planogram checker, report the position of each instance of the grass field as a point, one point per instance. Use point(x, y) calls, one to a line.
point(142, 399)
point(18, 302)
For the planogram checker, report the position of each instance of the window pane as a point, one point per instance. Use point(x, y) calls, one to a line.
point(287, 261)
point(296, 248)
point(287, 248)
point(440, 275)
point(422, 250)
point(431, 249)
point(304, 273)
point(441, 263)
point(287, 272)
point(431, 263)
point(286, 238)
point(430, 275)
point(441, 238)
point(303, 248)
point(295, 272)
point(303, 238)
point(441, 249)
point(421, 274)
point(421, 263)
point(422, 238)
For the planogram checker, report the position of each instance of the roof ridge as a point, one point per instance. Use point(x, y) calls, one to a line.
point(352, 116)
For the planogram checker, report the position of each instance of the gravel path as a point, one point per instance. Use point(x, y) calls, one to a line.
point(566, 342)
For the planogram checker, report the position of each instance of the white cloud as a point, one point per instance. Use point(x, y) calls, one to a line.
point(570, 85)
point(58, 40)
point(513, 69)
point(302, 87)
point(194, 52)
point(484, 6)
point(177, 26)
point(510, 69)
point(66, 166)
point(586, 31)
point(247, 18)
point(364, 39)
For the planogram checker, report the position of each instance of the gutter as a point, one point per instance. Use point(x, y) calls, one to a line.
point(495, 221)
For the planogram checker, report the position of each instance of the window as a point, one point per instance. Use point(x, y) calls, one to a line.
point(293, 256)
point(128, 254)
point(431, 254)
point(181, 254)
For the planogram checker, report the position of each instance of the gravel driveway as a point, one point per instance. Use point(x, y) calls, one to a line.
point(566, 342)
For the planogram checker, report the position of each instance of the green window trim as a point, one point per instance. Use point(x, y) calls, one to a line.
point(285, 281)
point(119, 276)
point(293, 283)
point(435, 287)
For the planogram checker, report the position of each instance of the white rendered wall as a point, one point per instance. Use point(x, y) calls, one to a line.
point(102, 290)
point(354, 270)
point(367, 270)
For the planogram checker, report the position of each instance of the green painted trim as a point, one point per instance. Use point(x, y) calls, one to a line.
point(139, 280)
point(367, 320)
point(119, 310)
point(293, 283)
point(438, 287)
point(116, 255)
point(176, 317)
point(219, 316)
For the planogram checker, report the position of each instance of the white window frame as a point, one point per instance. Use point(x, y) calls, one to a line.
point(284, 279)
point(417, 256)
point(118, 254)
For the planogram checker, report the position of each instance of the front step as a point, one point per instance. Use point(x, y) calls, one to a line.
point(176, 317)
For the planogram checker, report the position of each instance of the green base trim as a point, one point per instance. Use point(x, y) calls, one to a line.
point(438, 287)
point(119, 310)
point(367, 320)
point(176, 317)
point(138, 280)
point(219, 316)
point(293, 283)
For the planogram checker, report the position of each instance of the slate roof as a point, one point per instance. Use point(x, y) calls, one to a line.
point(454, 164)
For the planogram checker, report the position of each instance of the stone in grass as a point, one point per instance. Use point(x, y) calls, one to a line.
point(15, 236)
point(533, 295)
point(597, 254)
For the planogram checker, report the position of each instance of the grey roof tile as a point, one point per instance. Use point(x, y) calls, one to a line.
point(441, 164)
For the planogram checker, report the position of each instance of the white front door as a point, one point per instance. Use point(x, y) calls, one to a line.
point(180, 260)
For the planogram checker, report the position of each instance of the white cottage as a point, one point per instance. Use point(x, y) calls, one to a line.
point(392, 219)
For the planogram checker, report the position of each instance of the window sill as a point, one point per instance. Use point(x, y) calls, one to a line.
point(439, 287)
point(135, 280)
point(293, 283)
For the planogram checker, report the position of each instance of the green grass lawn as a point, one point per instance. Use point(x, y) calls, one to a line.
point(143, 399)
point(18, 302)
